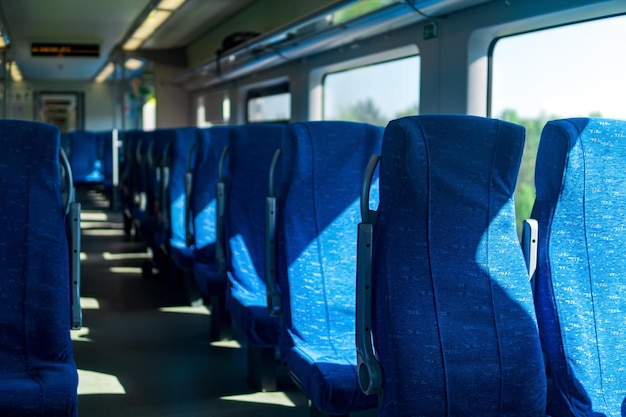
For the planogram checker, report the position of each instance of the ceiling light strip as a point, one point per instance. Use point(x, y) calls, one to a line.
point(151, 23)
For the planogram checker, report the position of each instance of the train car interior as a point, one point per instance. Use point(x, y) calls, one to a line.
point(392, 208)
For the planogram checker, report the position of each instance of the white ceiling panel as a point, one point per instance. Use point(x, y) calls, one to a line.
point(104, 22)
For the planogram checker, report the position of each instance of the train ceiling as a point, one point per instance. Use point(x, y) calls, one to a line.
point(97, 22)
point(105, 24)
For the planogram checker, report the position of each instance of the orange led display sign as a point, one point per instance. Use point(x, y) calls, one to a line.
point(60, 50)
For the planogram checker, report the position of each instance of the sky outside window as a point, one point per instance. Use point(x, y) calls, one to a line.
point(375, 93)
point(570, 71)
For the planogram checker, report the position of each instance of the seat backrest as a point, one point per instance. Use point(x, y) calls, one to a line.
point(35, 345)
point(160, 141)
point(251, 148)
point(142, 183)
point(209, 146)
point(579, 292)
point(323, 163)
point(84, 157)
point(105, 154)
point(181, 140)
point(128, 175)
point(454, 324)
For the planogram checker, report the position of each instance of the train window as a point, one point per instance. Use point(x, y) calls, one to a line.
point(212, 109)
point(569, 71)
point(271, 104)
point(374, 93)
point(148, 114)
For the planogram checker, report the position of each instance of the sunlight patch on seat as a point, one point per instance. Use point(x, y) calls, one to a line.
point(230, 344)
point(108, 256)
point(126, 270)
point(186, 310)
point(91, 382)
point(93, 216)
point(103, 232)
point(80, 335)
point(274, 398)
point(89, 303)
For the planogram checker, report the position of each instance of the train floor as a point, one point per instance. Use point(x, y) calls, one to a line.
point(143, 350)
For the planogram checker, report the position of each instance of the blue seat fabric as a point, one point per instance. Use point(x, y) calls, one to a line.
point(128, 167)
point(209, 146)
point(580, 286)
point(38, 375)
point(105, 154)
point(453, 322)
point(84, 158)
point(154, 230)
point(251, 148)
point(182, 139)
point(323, 164)
point(142, 182)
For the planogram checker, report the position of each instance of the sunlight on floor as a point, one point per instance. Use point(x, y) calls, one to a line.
point(126, 270)
point(186, 310)
point(93, 216)
point(108, 256)
point(103, 232)
point(89, 303)
point(100, 225)
point(91, 382)
point(274, 398)
point(231, 344)
point(80, 335)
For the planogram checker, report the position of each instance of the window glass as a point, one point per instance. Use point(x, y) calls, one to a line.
point(569, 71)
point(212, 109)
point(375, 93)
point(275, 107)
point(149, 114)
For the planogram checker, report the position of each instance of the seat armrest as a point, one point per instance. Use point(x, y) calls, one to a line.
point(188, 189)
point(370, 374)
point(530, 234)
point(73, 225)
point(273, 296)
point(220, 196)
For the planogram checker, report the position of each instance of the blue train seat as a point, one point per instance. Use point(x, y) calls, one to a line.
point(130, 139)
point(181, 141)
point(38, 375)
point(66, 142)
point(250, 152)
point(105, 154)
point(84, 158)
point(153, 230)
point(210, 145)
point(579, 285)
point(317, 219)
point(452, 317)
point(202, 179)
point(141, 184)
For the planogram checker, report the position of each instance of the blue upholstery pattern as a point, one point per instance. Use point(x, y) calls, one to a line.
point(316, 257)
point(182, 139)
point(251, 148)
point(210, 144)
point(105, 154)
point(37, 372)
point(580, 291)
point(84, 158)
point(454, 325)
